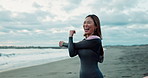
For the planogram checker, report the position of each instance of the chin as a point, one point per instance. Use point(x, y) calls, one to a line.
point(87, 33)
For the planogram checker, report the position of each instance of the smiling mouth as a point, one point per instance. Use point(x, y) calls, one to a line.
point(86, 29)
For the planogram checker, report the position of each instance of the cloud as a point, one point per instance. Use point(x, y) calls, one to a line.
point(5, 16)
point(36, 21)
point(36, 5)
point(128, 34)
point(110, 11)
point(18, 5)
point(114, 12)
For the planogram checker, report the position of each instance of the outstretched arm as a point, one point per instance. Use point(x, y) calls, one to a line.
point(87, 44)
point(63, 44)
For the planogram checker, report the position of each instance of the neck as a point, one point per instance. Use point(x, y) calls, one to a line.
point(88, 35)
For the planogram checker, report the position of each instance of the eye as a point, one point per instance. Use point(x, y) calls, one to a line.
point(84, 22)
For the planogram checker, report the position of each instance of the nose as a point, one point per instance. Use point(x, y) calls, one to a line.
point(85, 25)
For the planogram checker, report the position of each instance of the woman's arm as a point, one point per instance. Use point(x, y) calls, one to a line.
point(63, 44)
point(82, 44)
point(72, 51)
point(87, 44)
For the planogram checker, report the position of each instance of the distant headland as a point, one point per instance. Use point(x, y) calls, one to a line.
point(56, 47)
point(29, 47)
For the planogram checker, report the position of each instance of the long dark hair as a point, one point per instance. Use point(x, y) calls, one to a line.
point(97, 24)
point(98, 33)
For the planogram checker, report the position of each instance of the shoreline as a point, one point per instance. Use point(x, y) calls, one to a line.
point(57, 47)
point(12, 59)
point(49, 69)
point(31, 65)
point(119, 62)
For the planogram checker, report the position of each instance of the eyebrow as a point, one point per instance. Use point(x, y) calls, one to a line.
point(88, 21)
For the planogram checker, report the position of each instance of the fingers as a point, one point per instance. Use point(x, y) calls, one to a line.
point(71, 33)
point(61, 43)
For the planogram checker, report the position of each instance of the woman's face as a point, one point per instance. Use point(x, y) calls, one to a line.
point(89, 26)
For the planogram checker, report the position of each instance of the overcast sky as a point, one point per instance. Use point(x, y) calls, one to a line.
point(46, 22)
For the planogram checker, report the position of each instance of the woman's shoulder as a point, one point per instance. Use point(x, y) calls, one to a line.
point(93, 37)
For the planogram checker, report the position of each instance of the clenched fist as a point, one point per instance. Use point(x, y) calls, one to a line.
point(71, 32)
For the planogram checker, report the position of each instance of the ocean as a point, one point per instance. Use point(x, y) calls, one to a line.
point(18, 58)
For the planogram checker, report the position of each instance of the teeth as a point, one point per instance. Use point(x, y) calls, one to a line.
point(87, 29)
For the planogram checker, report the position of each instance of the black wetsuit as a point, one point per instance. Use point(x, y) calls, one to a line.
point(88, 51)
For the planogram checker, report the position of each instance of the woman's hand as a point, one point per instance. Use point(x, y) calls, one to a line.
point(61, 43)
point(71, 32)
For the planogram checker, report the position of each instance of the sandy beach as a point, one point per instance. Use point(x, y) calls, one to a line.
point(120, 62)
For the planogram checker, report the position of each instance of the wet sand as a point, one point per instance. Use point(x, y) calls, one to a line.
point(120, 62)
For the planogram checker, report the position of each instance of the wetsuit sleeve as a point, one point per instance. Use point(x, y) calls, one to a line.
point(65, 44)
point(87, 44)
point(72, 51)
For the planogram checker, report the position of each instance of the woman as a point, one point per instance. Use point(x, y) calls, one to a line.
point(89, 50)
